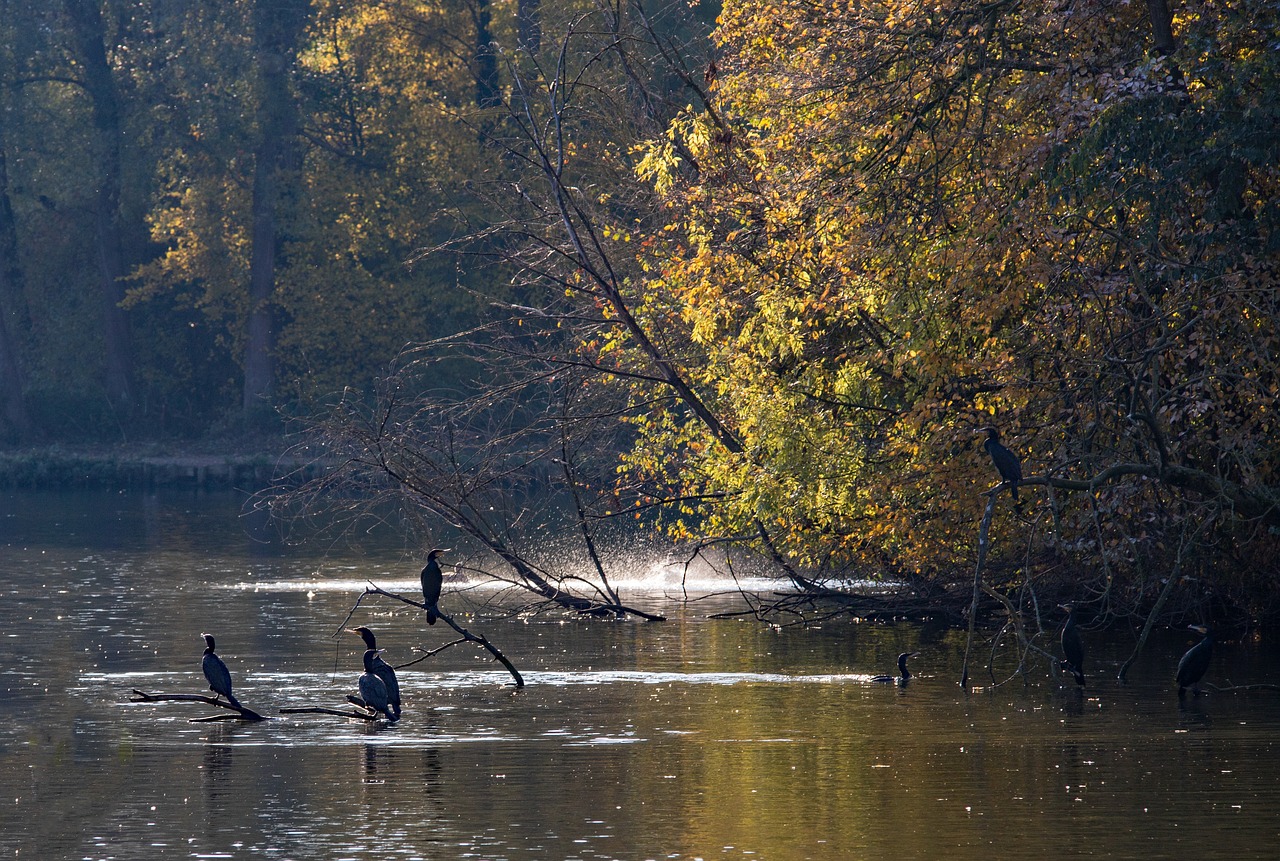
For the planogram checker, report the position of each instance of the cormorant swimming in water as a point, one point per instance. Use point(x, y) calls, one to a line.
point(1007, 463)
point(372, 690)
point(1072, 647)
point(1195, 662)
point(216, 672)
point(902, 668)
point(381, 669)
point(432, 582)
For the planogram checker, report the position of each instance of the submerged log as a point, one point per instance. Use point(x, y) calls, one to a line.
point(323, 710)
point(242, 713)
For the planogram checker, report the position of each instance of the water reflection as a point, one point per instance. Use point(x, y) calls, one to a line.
point(689, 738)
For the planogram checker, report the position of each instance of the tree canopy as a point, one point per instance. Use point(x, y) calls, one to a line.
point(901, 222)
point(758, 281)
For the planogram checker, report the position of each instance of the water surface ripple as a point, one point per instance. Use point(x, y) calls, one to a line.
point(691, 738)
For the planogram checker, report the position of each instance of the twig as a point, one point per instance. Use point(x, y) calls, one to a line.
point(350, 613)
point(1174, 576)
point(430, 653)
point(1231, 689)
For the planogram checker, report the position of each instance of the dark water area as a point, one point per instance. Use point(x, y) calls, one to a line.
point(690, 738)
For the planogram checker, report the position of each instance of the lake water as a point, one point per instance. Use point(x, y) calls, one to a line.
point(690, 738)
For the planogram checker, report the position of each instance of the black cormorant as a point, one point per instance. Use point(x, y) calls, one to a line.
point(1195, 662)
point(902, 669)
point(216, 672)
point(1007, 463)
point(372, 690)
point(1072, 647)
point(432, 581)
point(381, 669)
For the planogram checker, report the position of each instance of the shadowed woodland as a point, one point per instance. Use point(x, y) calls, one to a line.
point(759, 276)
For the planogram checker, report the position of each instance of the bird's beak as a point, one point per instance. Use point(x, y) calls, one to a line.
point(914, 655)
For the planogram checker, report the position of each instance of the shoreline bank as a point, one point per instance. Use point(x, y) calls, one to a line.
point(62, 468)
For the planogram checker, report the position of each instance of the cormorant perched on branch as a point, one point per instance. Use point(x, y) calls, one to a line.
point(432, 582)
point(372, 690)
point(1195, 662)
point(902, 669)
point(1007, 463)
point(381, 668)
point(1072, 647)
point(216, 672)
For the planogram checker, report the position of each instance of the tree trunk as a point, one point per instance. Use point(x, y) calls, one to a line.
point(278, 25)
point(1162, 27)
point(90, 44)
point(488, 94)
point(17, 423)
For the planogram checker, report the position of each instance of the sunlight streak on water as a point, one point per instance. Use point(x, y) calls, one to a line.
point(409, 588)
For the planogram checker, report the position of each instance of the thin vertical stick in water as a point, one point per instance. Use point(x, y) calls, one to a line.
point(1174, 576)
point(984, 543)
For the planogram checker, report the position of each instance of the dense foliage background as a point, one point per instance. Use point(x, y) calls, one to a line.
point(754, 273)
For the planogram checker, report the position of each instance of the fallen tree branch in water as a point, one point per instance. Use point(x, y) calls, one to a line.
point(322, 710)
point(242, 713)
point(467, 636)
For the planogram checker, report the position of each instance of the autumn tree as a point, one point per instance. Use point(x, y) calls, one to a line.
point(529, 449)
point(909, 221)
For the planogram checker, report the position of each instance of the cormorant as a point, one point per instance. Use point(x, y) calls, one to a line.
point(902, 668)
point(432, 581)
point(1072, 647)
point(1007, 463)
point(1195, 662)
point(381, 669)
point(372, 690)
point(216, 672)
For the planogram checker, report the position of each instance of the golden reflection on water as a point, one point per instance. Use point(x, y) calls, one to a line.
point(684, 739)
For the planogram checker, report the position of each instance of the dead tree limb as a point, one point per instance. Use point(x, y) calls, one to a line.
point(1026, 646)
point(467, 636)
point(1170, 582)
point(242, 712)
point(431, 653)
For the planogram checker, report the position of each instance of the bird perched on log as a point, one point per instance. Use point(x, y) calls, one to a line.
point(1072, 646)
point(904, 675)
point(1195, 662)
point(372, 689)
point(1007, 463)
point(432, 582)
point(217, 673)
point(381, 668)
